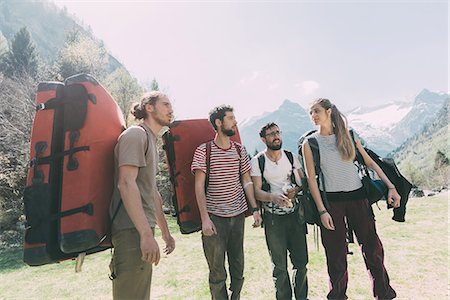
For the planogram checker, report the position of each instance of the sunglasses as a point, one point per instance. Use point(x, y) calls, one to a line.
point(274, 134)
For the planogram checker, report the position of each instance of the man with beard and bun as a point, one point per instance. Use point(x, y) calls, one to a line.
point(276, 176)
point(221, 189)
point(136, 205)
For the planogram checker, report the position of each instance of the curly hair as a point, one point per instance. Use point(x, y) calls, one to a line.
point(263, 130)
point(218, 113)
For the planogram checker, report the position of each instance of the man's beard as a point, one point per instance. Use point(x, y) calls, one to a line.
point(275, 147)
point(228, 132)
point(160, 121)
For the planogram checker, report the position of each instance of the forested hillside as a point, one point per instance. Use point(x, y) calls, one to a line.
point(39, 42)
point(424, 158)
point(47, 24)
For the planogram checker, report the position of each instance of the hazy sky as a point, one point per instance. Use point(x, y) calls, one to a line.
point(255, 54)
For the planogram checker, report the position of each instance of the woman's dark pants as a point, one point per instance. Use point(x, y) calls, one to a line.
point(360, 216)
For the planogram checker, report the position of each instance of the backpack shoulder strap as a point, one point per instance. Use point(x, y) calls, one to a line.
point(238, 148)
point(314, 145)
point(265, 186)
point(262, 164)
point(208, 163)
point(146, 135)
point(239, 152)
point(358, 156)
point(290, 157)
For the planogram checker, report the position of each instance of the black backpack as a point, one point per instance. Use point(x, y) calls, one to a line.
point(388, 166)
point(308, 206)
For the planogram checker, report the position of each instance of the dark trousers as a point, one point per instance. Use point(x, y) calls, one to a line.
point(228, 240)
point(283, 234)
point(360, 216)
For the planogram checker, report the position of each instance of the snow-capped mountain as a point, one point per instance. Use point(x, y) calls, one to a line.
point(290, 116)
point(424, 109)
point(374, 124)
point(383, 128)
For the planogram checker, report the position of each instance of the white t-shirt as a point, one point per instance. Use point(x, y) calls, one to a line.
point(277, 175)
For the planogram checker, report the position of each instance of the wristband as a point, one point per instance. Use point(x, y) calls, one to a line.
point(322, 212)
point(253, 209)
point(248, 183)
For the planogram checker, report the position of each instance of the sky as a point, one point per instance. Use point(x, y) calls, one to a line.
point(255, 54)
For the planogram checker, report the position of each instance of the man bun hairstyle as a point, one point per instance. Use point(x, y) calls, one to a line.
point(138, 109)
point(339, 122)
point(218, 113)
point(263, 130)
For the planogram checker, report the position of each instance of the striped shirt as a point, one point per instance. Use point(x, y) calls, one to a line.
point(225, 196)
point(339, 175)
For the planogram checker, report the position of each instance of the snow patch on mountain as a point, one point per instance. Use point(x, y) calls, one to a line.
point(384, 127)
point(251, 120)
point(381, 118)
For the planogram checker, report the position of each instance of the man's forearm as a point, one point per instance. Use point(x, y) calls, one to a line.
point(249, 190)
point(250, 196)
point(263, 195)
point(160, 217)
point(201, 203)
point(200, 179)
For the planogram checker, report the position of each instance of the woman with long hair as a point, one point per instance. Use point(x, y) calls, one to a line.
point(346, 200)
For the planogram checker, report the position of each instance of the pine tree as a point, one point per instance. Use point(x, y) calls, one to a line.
point(22, 58)
point(81, 54)
point(125, 90)
point(154, 85)
point(440, 160)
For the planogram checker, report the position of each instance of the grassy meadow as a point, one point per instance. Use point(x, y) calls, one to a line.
point(416, 257)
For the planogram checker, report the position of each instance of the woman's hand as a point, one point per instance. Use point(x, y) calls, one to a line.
point(393, 197)
point(327, 221)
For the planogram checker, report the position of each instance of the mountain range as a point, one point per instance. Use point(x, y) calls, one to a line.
point(384, 128)
point(424, 157)
point(292, 119)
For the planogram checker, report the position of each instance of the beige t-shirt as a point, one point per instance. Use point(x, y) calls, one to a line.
point(132, 150)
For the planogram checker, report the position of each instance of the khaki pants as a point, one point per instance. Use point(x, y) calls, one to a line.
point(132, 276)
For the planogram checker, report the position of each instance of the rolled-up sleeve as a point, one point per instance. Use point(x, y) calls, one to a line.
point(199, 159)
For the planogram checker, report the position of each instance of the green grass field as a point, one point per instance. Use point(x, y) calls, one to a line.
point(416, 258)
